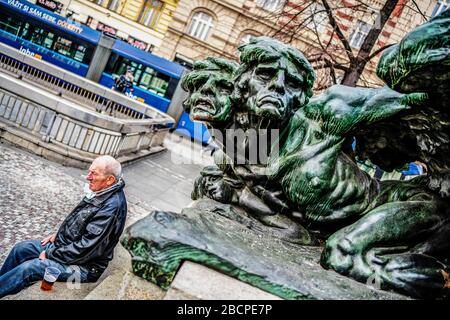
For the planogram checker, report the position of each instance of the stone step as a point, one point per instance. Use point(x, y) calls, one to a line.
point(60, 291)
point(124, 285)
point(121, 264)
point(69, 291)
point(192, 282)
point(197, 282)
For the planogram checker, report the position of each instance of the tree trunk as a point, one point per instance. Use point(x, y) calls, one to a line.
point(358, 64)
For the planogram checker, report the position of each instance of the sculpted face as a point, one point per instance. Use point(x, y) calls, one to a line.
point(217, 189)
point(210, 100)
point(275, 88)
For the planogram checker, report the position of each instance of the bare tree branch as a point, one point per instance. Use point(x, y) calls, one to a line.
point(358, 65)
point(374, 54)
point(333, 23)
point(292, 19)
point(335, 53)
point(419, 11)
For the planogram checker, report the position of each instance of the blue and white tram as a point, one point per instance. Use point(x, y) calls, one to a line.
point(71, 46)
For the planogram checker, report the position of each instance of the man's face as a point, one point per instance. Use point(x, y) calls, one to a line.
point(97, 179)
point(210, 101)
point(129, 74)
point(274, 87)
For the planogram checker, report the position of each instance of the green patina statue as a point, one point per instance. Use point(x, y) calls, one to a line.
point(210, 84)
point(305, 187)
point(393, 230)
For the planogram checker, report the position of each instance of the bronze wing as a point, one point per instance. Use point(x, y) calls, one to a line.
point(419, 63)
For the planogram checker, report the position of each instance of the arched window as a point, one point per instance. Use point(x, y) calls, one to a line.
point(103, 3)
point(246, 38)
point(201, 24)
point(151, 12)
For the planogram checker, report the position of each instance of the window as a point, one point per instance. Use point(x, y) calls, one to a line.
point(102, 3)
point(271, 5)
point(38, 36)
point(359, 34)
point(317, 17)
point(10, 25)
point(62, 46)
point(201, 24)
point(151, 12)
point(144, 77)
point(441, 6)
point(80, 51)
point(246, 39)
point(114, 5)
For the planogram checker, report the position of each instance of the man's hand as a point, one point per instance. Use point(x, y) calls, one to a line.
point(48, 239)
point(42, 256)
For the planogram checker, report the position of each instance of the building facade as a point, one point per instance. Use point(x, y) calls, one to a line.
point(202, 28)
point(188, 30)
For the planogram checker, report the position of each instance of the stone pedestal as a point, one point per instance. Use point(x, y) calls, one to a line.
point(162, 241)
point(196, 282)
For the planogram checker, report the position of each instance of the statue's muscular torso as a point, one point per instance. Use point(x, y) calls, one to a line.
point(325, 183)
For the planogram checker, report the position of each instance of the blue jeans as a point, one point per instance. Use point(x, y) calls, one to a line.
point(22, 268)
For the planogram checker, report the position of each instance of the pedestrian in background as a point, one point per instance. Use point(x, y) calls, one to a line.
point(124, 82)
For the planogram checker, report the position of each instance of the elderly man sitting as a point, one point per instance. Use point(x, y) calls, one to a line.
point(85, 241)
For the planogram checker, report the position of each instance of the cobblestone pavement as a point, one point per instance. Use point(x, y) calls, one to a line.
point(35, 197)
point(36, 194)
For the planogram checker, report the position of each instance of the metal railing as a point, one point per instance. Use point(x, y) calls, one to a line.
point(57, 128)
point(49, 108)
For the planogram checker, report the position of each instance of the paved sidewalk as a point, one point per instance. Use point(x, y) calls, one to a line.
point(37, 194)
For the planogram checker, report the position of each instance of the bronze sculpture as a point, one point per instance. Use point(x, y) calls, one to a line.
point(306, 187)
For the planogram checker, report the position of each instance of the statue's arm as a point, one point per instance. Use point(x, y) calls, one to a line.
point(382, 103)
point(254, 205)
point(344, 109)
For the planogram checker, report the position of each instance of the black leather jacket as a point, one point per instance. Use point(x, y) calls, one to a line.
point(88, 235)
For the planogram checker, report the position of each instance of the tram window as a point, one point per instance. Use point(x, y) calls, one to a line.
point(159, 84)
point(152, 81)
point(37, 35)
point(42, 37)
point(10, 24)
point(79, 53)
point(46, 37)
point(144, 77)
point(62, 46)
point(112, 63)
point(121, 66)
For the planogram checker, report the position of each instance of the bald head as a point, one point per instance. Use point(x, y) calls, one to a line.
point(110, 166)
point(104, 172)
